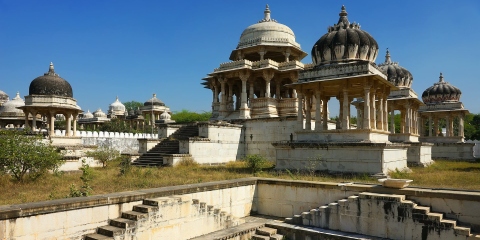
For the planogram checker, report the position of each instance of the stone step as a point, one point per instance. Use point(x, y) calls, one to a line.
point(448, 224)
point(96, 236)
point(145, 208)
point(132, 215)
point(110, 231)
point(463, 231)
point(435, 217)
point(421, 210)
point(383, 197)
point(260, 237)
point(473, 236)
point(266, 231)
point(122, 223)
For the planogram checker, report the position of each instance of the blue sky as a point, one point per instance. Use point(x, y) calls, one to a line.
point(136, 48)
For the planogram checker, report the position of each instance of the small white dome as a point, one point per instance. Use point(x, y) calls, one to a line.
point(116, 106)
point(11, 106)
point(99, 113)
point(165, 116)
point(266, 31)
point(88, 114)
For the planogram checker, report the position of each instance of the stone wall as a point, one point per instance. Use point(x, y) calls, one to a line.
point(453, 151)
point(123, 145)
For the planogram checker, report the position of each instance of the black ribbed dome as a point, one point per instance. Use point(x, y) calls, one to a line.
point(344, 42)
point(153, 101)
point(396, 74)
point(50, 84)
point(441, 92)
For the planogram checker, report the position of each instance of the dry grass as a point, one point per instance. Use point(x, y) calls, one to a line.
point(442, 174)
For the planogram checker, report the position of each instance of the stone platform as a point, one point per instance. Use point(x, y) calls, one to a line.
point(370, 158)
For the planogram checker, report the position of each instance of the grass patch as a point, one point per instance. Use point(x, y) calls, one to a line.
point(441, 174)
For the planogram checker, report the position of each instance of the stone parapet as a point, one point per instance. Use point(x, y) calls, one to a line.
point(51, 101)
point(334, 71)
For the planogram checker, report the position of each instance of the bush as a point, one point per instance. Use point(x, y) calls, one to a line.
point(125, 165)
point(104, 155)
point(187, 162)
point(86, 177)
point(21, 153)
point(255, 162)
point(186, 116)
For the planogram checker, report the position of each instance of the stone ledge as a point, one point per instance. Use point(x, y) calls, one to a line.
point(59, 205)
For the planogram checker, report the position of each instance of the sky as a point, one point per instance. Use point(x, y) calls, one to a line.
point(132, 49)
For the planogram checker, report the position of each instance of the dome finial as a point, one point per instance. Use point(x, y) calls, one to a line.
point(343, 16)
point(267, 13)
point(51, 68)
point(387, 57)
point(441, 78)
point(154, 95)
point(18, 95)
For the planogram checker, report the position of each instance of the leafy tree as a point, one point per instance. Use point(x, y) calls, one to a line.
point(472, 126)
point(21, 153)
point(132, 105)
point(186, 116)
point(104, 155)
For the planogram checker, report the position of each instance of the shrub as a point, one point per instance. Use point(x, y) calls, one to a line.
point(21, 153)
point(86, 177)
point(125, 165)
point(104, 155)
point(255, 162)
point(187, 162)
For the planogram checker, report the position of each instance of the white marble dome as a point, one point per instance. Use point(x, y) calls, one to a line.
point(116, 106)
point(87, 115)
point(99, 113)
point(3, 97)
point(10, 107)
point(165, 116)
point(268, 31)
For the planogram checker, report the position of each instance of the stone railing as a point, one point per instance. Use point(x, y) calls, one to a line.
point(406, 92)
point(439, 106)
point(291, 65)
point(287, 103)
point(256, 41)
point(266, 63)
point(263, 102)
point(339, 70)
point(62, 133)
point(244, 63)
point(51, 100)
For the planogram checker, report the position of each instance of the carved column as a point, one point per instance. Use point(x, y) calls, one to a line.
point(385, 110)
point(407, 119)
point(430, 128)
point(373, 109)
point(325, 113)
point(366, 108)
point(244, 110)
point(300, 111)
point(392, 121)
point(52, 123)
point(308, 112)
point(380, 113)
point(278, 83)
point(436, 126)
point(223, 103)
point(318, 112)
point(447, 126)
point(26, 112)
point(461, 126)
point(75, 124)
point(252, 94)
point(267, 76)
point(34, 120)
point(346, 106)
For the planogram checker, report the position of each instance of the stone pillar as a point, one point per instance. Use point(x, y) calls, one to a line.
point(68, 120)
point(392, 121)
point(385, 111)
point(380, 113)
point(52, 123)
point(430, 127)
point(461, 126)
point(447, 125)
point(294, 93)
point(34, 120)
point(267, 76)
point(252, 94)
point(215, 96)
point(308, 112)
point(244, 110)
point(346, 106)
point(325, 113)
point(407, 119)
point(300, 111)
point(318, 112)
point(373, 109)
point(435, 123)
point(223, 103)
point(75, 124)
point(25, 112)
point(366, 109)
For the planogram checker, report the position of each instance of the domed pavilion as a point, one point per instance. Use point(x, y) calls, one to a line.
point(48, 96)
point(3, 97)
point(404, 100)
point(251, 85)
point(94, 120)
point(117, 110)
point(442, 104)
point(153, 108)
point(12, 117)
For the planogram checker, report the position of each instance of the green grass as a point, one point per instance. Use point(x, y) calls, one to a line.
point(441, 174)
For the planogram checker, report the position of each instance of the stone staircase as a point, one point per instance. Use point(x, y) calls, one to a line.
point(154, 215)
point(382, 215)
point(170, 145)
point(266, 233)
